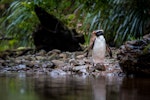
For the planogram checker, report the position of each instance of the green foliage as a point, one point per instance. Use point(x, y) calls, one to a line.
point(132, 17)
point(21, 19)
point(146, 49)
point(120, 19)
point(19, 24)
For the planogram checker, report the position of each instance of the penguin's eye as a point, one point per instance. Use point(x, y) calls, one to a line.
point(99, 33)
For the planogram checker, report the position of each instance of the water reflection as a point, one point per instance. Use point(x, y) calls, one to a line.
point(23, 86)
point(14, 87)
point(106, 88)
point(63, 88)
point(135, 89)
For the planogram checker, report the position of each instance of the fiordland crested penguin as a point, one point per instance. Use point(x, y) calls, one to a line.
point(99, 47)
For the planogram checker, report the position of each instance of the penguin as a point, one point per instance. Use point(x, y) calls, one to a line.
point(99, 47)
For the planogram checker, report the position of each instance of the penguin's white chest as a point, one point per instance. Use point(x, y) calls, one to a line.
point(99, 49)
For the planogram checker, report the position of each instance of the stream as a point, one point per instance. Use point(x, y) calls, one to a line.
point(22, 86)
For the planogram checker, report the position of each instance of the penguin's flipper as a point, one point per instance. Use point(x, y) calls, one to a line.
point(109, 50)
point(90, 46)
point(92, 40)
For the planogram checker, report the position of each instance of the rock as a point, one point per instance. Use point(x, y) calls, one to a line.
point(91, 69)
point(30, 64)
point(6, 69)
point(49, 64)
point(29, 57)
point(77, 68)
point(21, 66)
point(2, 63)
point(17, 61)
point(67, 68)
point(87, 61)
point(134, 56)
point(84, 71)
point(80, 56)
point(54, 51)
point(63, 55)
point(76, 62)
point(81, 62)
point(41, 53)
point(73, 62)
point(58, 63)
point(40, 57)
point(100, 67)
point(57, 72)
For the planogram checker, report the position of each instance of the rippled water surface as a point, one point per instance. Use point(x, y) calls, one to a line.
point(23, 86)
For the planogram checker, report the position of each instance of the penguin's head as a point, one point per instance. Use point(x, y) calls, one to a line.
point(98, 32)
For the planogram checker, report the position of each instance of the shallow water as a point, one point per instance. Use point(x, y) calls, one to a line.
point(21, 86)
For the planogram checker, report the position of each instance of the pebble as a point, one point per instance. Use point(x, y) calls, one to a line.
point(77, 68)
point(57, 72)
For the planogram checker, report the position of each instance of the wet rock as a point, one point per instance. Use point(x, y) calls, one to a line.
point(100, 67)
point(76, 62)
point(41, 53)
point(80, 56)
point(57, 72)
point(134, 56)
point(17, 61)
point(30, 63)
point(6, 69)
point(81, 62)
point(49, 64)
point(91, 69)
point(84, 71)
point(54, 51)
point(77, 68)
point(21, 66)
point(2, 63)
point(73, 62)
point(58, 63)
point(67, 68)
point(40, 58)
point(63, 55)
point(54, 54)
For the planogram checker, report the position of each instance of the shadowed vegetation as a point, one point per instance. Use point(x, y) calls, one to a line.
point(121, 19)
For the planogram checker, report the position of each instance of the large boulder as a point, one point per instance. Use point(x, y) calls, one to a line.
point(134, 56)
